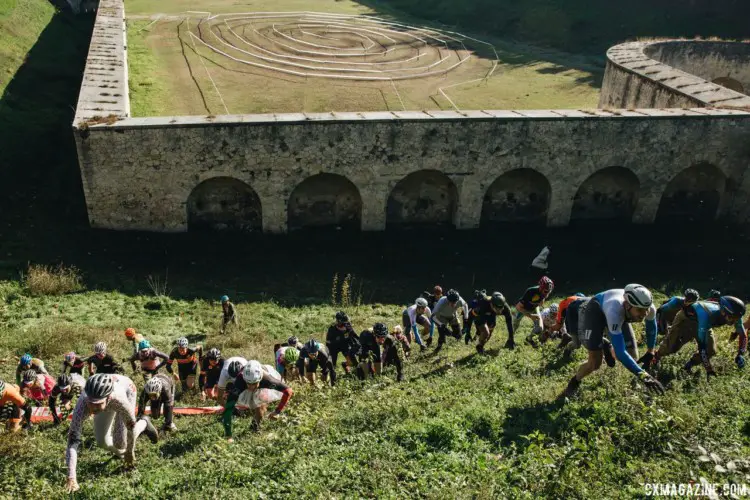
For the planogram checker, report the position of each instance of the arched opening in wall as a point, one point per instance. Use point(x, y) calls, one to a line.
point(426, 199)
point(224, 204)
point(729, 83)
point(521, 195)
point(325, 201)
point(610, 194)
point(693, 195)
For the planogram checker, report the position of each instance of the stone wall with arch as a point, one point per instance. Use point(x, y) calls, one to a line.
point(224, 204)
point(608, 194)
point(696, 194)
point(436, 168)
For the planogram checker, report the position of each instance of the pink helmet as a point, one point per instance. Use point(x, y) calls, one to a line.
point(70, 357)
point(546, 285)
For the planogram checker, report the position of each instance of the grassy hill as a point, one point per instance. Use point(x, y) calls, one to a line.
point(459, 426)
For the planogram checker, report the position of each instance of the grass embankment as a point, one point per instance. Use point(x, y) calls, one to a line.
point(580, 25)
point(459, 426)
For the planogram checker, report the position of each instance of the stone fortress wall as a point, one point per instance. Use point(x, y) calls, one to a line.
point(378, 170)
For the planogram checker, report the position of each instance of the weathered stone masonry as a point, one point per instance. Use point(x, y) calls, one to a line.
point(278, 172)
point(139, 173)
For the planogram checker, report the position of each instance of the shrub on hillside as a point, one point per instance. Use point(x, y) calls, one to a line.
point(48, 280)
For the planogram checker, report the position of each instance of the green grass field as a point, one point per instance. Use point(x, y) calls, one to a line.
point(172, 72)
point(459, 426)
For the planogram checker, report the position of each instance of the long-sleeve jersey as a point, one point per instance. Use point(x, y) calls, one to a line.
point(210, 374)
point(121, 401)
point(666, 313)
point(149, 359)
point(36, 364)
point(77, 384)
point(336, 338)
point(444, 311)
point(186, 362)
point(532, 298)
point(75, 367)
point(368, 345)
point(238, 386)
point(612, 303)
point(709, 315)
point(481, 311)
point(12, 395)
point(166, 396)
point(105, 364)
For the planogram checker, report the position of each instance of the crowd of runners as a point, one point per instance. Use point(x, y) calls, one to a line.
point(602, 324)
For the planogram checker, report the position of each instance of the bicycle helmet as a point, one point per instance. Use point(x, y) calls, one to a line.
point(2, 387)
point(213, 353)
point(692, 295)
point(26, 359)
point(312, 347)
point(546, 285)
point(452, 296)
point(253, 372)
point(153, 386)
point(497, 299)
point(437, 290)
point(293, 341)
point(732, 305)
point(553, 309)
point(99, 386)
point(144, 344)
point(291, 355)
point(341, 318)
point(29, 377)
point(421, 302)
point(100, 348)
point(638, 295)
point(224, 298)
point(63, 381)
point(714, 295)
point(182, 342)
point(235, 368)
point(130, 333)
point(70, 357)
point(379, 329)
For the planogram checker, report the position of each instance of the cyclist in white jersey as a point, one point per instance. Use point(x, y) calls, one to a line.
point(111, 399)
point(613, 311)
point(225, 377)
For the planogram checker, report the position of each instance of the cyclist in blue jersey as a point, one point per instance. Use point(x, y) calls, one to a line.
point(613, 311)
point(705, 316)
point(667, 312)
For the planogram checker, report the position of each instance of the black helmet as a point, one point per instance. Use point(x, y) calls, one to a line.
point(714, 294)
point(235, 368)
point(692, 295)
point(497, 299)
point(379, 329)
point(480, 294)
point(731, 305)
point(452, 296)
point(341, 317)
point(99, 386)
point(213, 353)
point(63, 380)
point(311, 346)
point(292, 341)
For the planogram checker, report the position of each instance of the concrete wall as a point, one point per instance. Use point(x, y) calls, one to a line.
point(723, 61)
point(635, 79)
point(407, 168)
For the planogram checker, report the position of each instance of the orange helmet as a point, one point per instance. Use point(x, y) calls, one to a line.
point(130, 332)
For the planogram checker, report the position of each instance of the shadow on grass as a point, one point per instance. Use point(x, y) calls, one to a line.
point(524, 420)
point(176, 447)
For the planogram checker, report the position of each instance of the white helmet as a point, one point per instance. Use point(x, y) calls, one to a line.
point(638, 295)
point(421, 302)
point(553, 309)
point(153, 386)
point(182, 342)
point(253, 372)
point(100, 348)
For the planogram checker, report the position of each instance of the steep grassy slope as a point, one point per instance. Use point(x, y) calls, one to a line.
point(459, 426)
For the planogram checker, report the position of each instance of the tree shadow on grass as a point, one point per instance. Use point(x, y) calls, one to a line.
point(523, 420)
point(174, 448)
